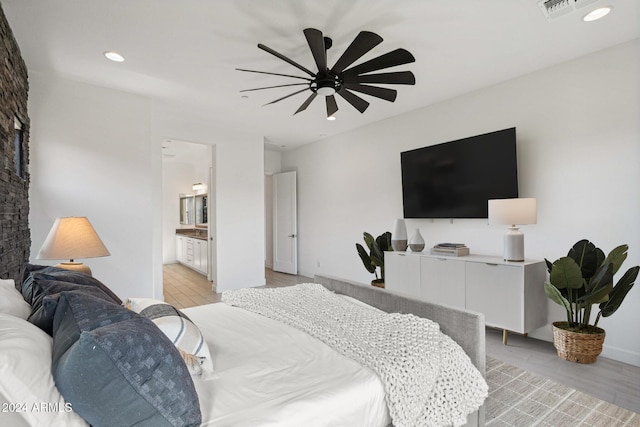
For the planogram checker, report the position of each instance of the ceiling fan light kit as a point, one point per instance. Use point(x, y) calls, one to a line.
point(340, 79)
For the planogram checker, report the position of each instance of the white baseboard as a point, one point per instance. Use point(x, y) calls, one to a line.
point(306, 273)
point(620, 355)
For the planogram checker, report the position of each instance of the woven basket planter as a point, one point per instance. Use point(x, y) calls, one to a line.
point(575, 346)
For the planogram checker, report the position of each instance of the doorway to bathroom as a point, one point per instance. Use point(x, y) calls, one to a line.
point(189, 210)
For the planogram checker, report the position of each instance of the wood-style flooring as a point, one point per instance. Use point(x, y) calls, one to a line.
point(185, 288)
point(607, 379)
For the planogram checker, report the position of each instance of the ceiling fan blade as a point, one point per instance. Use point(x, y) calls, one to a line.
point(316, 44)
point(332, 106)
point(391, 59)
point(397, 78)
point(284, 58)
point(272, 87)
point(306, 103)
point(285, 97)
point(378, 92)
point(363, 43)
point(353, 99)
point(273, 74)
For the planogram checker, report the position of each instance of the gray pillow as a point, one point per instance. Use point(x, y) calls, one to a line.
point(45, 299)
point(31, 273)
point(117, 368)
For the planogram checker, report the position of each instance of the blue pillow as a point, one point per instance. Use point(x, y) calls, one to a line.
point(46, 294)
point(26, 287)
point(62, 275)
point(117, 368)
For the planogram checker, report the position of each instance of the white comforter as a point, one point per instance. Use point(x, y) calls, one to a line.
point(270, 374)
point(428, 379)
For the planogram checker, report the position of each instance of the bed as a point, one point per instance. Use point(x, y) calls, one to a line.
point(261, 372)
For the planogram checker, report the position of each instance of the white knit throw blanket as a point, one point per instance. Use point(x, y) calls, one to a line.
point(428, 378)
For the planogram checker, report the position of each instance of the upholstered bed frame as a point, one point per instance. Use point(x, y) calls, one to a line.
point(466, 328)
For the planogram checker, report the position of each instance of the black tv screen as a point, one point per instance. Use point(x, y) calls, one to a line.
point(456, 179)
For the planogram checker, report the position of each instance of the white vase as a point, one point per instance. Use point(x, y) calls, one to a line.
point(417, 242)
point(399, 235)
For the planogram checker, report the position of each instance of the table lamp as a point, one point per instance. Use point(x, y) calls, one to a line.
point(71, 238)
point(513, 212)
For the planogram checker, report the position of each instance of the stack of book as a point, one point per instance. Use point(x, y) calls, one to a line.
point(453, 249)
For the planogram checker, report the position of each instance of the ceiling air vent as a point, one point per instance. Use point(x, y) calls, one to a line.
point(553, 9)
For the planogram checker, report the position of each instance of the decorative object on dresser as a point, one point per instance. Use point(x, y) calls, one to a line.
point(71, 238)
point(399, 235)
point(578, 281)
point(509, 294)
point(513, 212)
point(375, 258)
point(416, 244)
point(451, 249)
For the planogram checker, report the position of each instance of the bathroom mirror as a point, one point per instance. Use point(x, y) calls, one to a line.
point(186, 210)
point(201, 210)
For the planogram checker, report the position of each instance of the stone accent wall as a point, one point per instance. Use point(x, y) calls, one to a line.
point(15, 237)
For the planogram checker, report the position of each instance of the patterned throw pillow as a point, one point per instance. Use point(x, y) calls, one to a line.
point(184, 334)
point(117, 368)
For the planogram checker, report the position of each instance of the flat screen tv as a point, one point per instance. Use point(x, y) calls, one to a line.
point(456, 179)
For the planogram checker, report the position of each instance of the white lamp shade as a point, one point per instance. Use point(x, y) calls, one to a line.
point(71, 238)
point(513, 211)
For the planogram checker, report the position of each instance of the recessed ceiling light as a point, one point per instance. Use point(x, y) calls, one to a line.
point(114, 56)
point(331, 118)
point(598, 13)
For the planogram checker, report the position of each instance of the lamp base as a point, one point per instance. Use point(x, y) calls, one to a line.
point(514, 245)
point(75, 266)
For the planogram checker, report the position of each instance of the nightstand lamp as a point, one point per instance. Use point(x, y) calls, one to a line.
point(513, 212)
point(71, 238)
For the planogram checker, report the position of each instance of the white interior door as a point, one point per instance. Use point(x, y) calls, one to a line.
point(285, 238)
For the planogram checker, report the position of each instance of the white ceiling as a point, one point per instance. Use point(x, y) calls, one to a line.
point(184, 53)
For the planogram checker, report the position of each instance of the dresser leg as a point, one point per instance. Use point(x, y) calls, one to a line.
point(505, 335)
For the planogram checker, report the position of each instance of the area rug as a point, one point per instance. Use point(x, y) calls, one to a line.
point(520, 398)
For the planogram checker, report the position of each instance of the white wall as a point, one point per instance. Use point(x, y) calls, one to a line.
point(578, 149)
point(96, 152)
point(91, 155)
point(272, 162)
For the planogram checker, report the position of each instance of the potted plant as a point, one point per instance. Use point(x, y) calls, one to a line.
point(374, 259)
point(578, 281)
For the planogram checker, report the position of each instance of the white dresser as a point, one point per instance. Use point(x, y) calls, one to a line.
point(509, 294)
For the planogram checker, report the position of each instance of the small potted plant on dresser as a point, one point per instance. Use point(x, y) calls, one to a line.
point(578, 281)
point(375, 258)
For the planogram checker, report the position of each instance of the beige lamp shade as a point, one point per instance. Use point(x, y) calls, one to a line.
point(71, 238)
point(513, 211)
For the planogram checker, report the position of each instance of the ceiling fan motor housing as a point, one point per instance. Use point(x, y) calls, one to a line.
point(326, 84)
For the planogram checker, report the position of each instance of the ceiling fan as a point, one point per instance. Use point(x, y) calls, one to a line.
point(342, 80)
